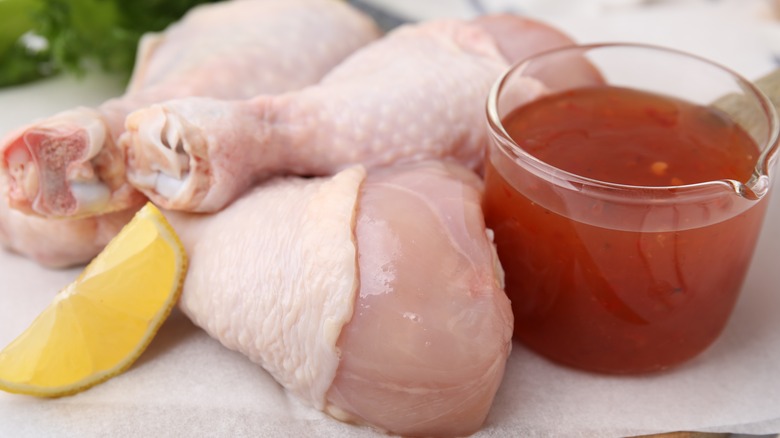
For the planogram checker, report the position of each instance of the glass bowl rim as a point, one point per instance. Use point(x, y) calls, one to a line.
point(756, 186)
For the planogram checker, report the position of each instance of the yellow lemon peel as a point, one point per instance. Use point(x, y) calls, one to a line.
point(97, 326)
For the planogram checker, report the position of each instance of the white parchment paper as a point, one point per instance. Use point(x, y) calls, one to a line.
point(186, 384)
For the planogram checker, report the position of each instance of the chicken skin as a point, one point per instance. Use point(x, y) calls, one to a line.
point(418, 93)
point(68, 165)
point(67, 168)
point(377, 299)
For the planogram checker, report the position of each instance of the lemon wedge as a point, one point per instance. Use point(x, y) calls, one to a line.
point(100, 324)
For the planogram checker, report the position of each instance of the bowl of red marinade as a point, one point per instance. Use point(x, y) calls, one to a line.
point(626, 185)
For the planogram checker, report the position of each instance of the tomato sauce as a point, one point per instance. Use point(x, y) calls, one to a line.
point(626, 283)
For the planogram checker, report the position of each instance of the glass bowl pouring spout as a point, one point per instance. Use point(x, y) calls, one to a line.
point(761, 180)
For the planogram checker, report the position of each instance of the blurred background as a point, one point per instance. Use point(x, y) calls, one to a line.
point(43, 38)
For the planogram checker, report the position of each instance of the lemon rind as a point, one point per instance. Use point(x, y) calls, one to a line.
point(167, 233)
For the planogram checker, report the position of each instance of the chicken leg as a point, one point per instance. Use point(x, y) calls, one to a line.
point(59, 243)
point(417, 93)
point(378, 300)
point(68, 165)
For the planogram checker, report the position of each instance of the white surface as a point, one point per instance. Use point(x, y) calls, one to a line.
point(188, 385)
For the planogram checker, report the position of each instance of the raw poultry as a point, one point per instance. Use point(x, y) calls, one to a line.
point(304, 276)
point(378, 299)
point(68, 165)
point(417, 93)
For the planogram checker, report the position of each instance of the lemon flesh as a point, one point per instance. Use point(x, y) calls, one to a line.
point(100, 324)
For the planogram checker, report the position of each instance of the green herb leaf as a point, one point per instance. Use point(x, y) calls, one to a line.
point(78, 34)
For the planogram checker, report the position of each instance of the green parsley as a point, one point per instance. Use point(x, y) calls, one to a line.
point(40, 38)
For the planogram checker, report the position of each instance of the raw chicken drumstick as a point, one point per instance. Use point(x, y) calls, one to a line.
point(68, 165)
point(231, 49)
point(419, 92)
point(59, 243)
point(378, 300)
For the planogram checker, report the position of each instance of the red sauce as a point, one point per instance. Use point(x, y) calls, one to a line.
point(614, 284)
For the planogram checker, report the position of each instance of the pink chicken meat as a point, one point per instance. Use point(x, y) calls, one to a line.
point(230, 49)
point(59, 243)
point(68, 165)
point(417, 93)
point(377, 299)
